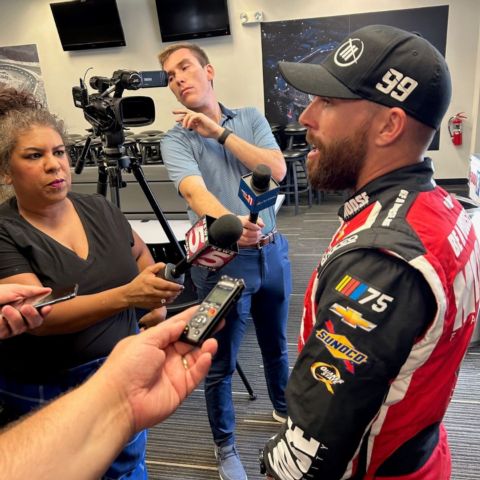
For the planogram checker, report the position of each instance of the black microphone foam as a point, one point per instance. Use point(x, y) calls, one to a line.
point(261, 178)
point(225, 231)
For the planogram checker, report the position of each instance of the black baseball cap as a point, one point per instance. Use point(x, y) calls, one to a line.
point(382, 64)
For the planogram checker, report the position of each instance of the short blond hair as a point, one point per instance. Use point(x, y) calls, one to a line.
point(195, 49)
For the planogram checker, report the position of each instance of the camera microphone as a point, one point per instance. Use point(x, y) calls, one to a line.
point(258, 190)
point(211, 243)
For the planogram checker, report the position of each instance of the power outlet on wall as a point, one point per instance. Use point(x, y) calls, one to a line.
point(255, 16)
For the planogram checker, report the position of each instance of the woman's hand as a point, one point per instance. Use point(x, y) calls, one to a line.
point(147, 290)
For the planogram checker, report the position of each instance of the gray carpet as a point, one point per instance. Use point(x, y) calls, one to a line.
point(181, 448)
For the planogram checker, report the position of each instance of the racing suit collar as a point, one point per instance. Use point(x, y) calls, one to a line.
point(416, 177)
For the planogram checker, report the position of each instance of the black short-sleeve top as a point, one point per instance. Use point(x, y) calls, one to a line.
point(25, 249)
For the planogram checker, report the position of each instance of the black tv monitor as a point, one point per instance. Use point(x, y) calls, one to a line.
point(191, 19)
point(86, 24)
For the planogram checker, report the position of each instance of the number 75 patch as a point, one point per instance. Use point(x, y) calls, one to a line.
point(364, 294)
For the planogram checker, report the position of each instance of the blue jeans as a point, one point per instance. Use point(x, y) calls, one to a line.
point(19, 398)
point(267, 276)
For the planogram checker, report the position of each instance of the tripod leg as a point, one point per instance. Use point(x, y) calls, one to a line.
point(137, 171)
point(246, 382)
point(115, 183)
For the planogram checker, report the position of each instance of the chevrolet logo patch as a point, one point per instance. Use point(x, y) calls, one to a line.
point(352, 318)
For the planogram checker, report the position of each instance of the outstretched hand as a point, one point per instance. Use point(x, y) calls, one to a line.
point(154, 372)
point(16, 320)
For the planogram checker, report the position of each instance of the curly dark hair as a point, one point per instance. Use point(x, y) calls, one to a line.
point(19, 112)
point(12, 99)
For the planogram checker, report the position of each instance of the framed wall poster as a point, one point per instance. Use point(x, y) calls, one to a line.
point(311, 40)
point(20, 68)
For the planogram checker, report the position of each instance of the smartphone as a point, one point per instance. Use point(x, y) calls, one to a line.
point(58, 294)
point(213, 308)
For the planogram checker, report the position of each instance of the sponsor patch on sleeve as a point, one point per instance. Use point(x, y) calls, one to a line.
point(351, 317)
point(340, 347)
point(363, 294)
point(327, 374)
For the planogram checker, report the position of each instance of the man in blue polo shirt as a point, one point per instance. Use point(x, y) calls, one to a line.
point(206, 154)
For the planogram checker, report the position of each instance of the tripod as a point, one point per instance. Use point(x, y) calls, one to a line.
point(110, 175)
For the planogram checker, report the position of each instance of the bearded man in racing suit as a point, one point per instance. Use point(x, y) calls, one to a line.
point(390, 310)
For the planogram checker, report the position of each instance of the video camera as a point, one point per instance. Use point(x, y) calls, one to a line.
point(109, 114)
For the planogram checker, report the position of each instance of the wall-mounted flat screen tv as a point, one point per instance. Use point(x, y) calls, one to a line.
point(191, 19)
point(86, 24)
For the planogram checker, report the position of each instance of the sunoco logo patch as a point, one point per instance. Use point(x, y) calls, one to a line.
point(340, 347)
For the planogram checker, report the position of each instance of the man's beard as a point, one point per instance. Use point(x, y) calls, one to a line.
point(340, 162)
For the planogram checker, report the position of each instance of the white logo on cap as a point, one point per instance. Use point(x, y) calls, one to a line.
point(349, 53)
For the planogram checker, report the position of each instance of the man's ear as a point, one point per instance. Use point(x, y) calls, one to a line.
point(393, 122)
point(210, 72)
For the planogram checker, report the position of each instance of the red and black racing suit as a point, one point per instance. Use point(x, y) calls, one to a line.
point(387, 320)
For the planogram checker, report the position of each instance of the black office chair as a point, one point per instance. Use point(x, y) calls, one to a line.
point(150, 149)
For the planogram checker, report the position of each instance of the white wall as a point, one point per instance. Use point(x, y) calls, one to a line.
point(237, 58)
point(475, 142)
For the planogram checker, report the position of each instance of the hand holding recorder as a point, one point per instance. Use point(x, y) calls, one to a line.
point(212, 310)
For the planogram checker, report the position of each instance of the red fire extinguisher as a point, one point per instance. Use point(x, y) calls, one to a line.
point(455, 128)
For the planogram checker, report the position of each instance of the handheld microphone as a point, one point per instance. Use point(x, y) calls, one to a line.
point(211, 243)
point(258, 190)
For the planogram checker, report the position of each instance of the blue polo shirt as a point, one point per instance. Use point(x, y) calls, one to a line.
point(187, 153)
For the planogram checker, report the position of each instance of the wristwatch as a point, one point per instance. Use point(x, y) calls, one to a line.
point(226, 132)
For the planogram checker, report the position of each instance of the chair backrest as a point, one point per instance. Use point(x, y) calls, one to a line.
point(150, 149)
